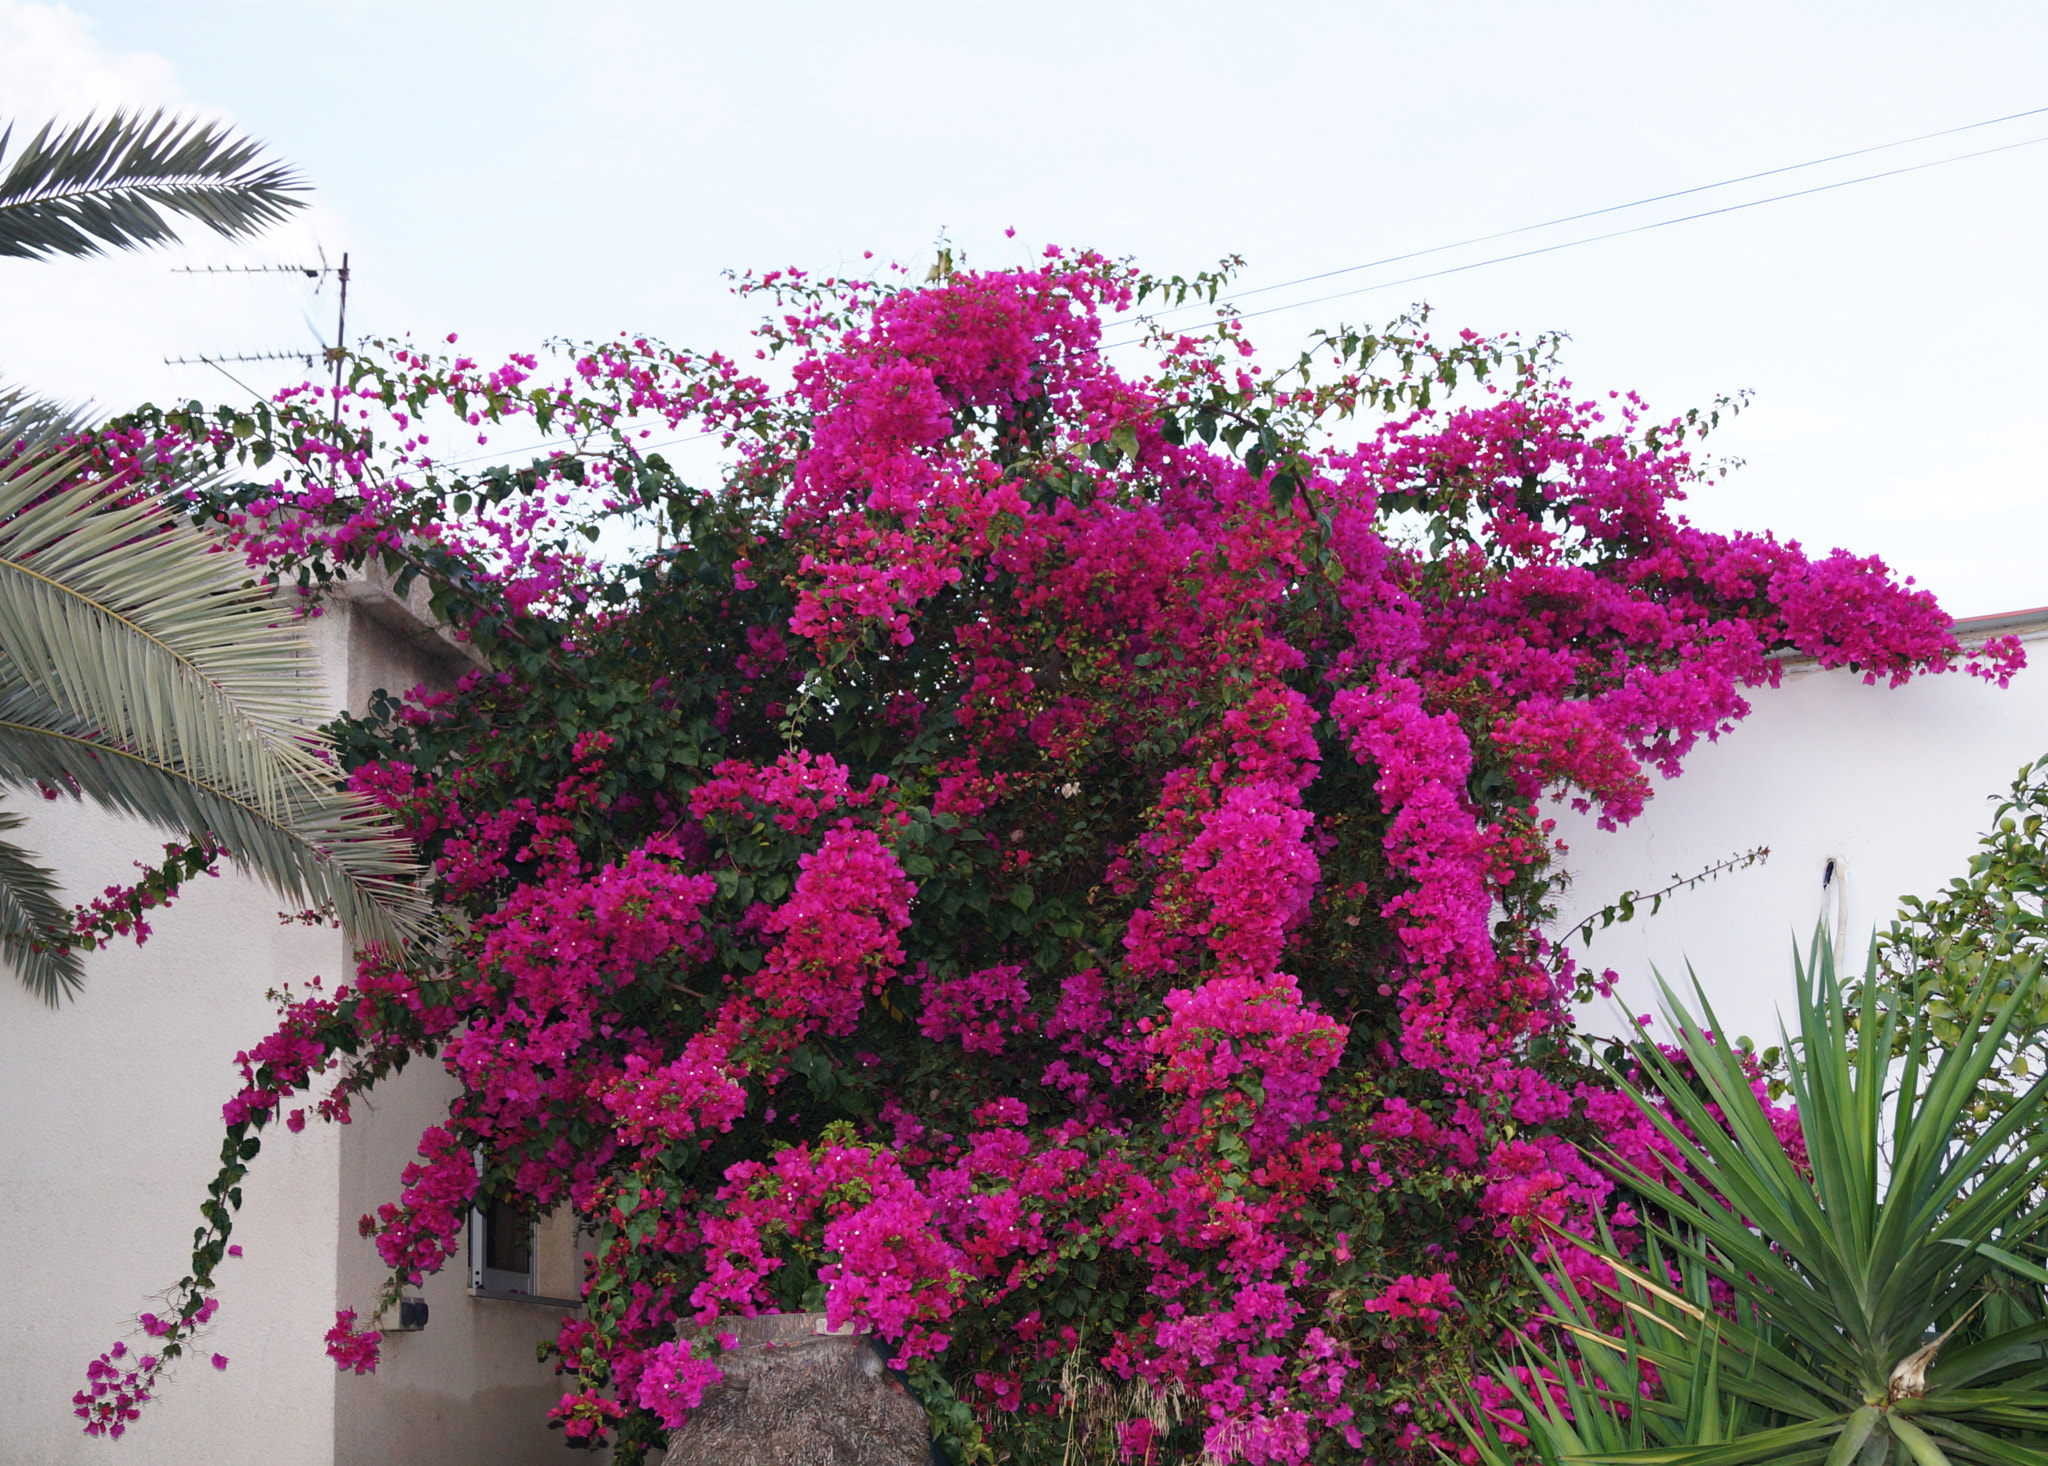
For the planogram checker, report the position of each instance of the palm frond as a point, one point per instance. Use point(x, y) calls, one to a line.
point(138, 667)
point(28, 906)
point(115, 182)
point(26, 418)
point(132, 622)
point(318, 846)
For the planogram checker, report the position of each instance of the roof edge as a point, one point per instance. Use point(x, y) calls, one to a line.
point(1973, 626)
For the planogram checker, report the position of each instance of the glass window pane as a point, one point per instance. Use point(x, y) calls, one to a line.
point(508, 1245)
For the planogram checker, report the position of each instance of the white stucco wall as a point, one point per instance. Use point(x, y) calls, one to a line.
point(467, 1390)
point(1894, 783)
point(110, 1129)
point(110, 1106)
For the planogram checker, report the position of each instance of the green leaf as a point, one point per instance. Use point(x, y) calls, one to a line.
point(29, 906)
point(115, 182)
point(1853, 1436)
point(139, 669)
point(2032, 1271)
point(1924, 1451)
point(1837, 1268)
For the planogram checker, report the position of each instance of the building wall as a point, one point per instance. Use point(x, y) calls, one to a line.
point(109, 1106)
point(1894, 784)
point(110, 1129)
point(467, 1390)
point(113, 1128)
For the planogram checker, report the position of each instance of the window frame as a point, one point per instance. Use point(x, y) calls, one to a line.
point(502, 1284)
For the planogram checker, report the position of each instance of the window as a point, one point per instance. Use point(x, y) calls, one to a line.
point(500, 1251)
point(512, 1256)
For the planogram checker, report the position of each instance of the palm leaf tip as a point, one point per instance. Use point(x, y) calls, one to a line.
point(138, 670)
point(28, 422)
point(29, 907)
point(115, 182)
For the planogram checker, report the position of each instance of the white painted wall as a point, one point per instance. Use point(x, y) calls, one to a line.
point(467, 1390)
point(1895, 783)
point(110, 1129)
point(110, 1106)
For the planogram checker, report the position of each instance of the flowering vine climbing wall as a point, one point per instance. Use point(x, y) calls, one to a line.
point(1044, 862)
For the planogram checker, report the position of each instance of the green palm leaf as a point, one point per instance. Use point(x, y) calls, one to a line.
point(26, 418)
point(317, 847)
point(29, 906)
point(131, 622)
point(139, 669)
point(114, 182)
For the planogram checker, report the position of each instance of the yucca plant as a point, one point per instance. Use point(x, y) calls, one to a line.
point(139, 668)
point(116, 181)
point(1877, 1305)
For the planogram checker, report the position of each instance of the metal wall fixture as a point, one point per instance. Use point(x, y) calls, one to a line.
point(1834, 902)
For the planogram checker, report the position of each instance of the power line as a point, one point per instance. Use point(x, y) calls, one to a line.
point(1611, 234)
point(1568, 244)
point(1527, 253)
point(1633, 204)
point(556, 442)
point(1464, 243)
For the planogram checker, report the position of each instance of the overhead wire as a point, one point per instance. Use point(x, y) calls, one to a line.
point(1633, 204)
point(1541, 249)
point(557, 442)
point(1612, 234)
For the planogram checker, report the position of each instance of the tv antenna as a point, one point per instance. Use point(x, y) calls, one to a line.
point(335, 354)
point(209, 359)
point(311, 272)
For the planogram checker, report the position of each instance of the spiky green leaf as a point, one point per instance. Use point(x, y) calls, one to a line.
point(28, 907)
point(119, 180)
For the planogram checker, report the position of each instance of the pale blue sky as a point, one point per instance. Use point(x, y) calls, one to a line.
point(518, 171)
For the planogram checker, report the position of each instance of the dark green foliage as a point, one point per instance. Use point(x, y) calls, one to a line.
point(1861, 1295)
point(117, 182)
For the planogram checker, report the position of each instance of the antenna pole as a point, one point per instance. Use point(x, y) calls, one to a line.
point(333, 355)
point(340, 337)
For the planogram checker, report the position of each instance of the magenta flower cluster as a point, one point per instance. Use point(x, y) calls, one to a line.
point(1052, 867)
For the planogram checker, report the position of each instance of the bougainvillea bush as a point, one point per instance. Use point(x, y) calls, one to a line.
point(1044, 862)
